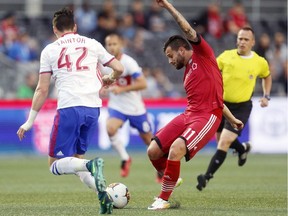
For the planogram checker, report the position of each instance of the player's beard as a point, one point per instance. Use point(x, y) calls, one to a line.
point(180, 62)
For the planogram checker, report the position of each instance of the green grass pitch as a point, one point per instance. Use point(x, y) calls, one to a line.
point(258, 188)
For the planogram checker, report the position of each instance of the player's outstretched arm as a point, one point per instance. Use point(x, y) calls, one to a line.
point(117, 71)
point(38, 100)
point(189, 32)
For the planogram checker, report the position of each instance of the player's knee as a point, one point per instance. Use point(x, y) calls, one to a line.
point(177, 151)
point(153, 151)
point(111, 130)
point(53, 168)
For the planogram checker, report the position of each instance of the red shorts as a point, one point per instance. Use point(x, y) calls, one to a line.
point(196, 129)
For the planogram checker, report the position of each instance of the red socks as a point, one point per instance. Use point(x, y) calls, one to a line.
point(171, 175)
point(159, 164)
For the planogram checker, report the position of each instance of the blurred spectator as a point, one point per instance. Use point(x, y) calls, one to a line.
point(50, 38)
point(143, 48)
point(86, 19)
point(286, 77)
point(107, 21)
point(210, 25)
point(71, 6)
point(278, 61)
point(210, 22)
point(164, 84)
point(152, 90)
point(9, 28)
point(2, 45)
point(138, 13)
point(126, 27)
point(23, 48)
point(156, 20)
point(106, 26)
point(27, 89)
point(263, 46)
point(236, 18)
point(108, 7)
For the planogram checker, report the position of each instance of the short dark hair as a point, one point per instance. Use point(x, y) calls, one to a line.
point(64, 19)
point(175, 42)
point(248, 28)
point(115, 34)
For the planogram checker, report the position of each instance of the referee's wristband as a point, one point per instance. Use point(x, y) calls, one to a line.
point(267, 97)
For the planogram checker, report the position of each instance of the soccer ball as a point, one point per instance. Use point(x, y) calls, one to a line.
point(119, 193)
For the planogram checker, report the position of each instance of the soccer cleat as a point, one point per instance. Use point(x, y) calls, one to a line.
point(202, 182)
point(125, 167)
point(95, 167)
point(106, 203)
point(179, 182)
point(159, 204)
point(242, 158)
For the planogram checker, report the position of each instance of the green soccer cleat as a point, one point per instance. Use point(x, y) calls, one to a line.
point(95, 167)
point(106, 203)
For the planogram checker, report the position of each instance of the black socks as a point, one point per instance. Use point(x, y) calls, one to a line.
point(237, 146)
point(215, 163)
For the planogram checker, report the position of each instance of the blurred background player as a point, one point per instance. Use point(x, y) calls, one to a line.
point(240, 68)
point(125, 102)
point(72, 61)
point(26, 90)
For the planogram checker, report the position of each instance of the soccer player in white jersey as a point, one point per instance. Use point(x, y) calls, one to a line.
point(125, 102)
point(72, 61)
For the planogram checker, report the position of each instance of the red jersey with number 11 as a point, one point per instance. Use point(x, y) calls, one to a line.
point(203, 80)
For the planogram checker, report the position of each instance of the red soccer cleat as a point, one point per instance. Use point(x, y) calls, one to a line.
point(125, 167)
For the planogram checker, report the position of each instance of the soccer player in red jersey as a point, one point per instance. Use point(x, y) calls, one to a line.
point(190, 131)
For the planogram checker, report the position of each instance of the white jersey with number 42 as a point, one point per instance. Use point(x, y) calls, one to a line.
point(72, 60)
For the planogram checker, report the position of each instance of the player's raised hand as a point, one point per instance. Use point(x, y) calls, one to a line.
point(162, 3)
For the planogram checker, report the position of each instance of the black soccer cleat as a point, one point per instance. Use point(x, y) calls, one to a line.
point(242, 158)
point(202, 182)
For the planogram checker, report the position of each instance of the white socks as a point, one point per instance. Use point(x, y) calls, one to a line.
point(68, 165)
point(87, 179)
point(72, 165)
point(118, 145)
